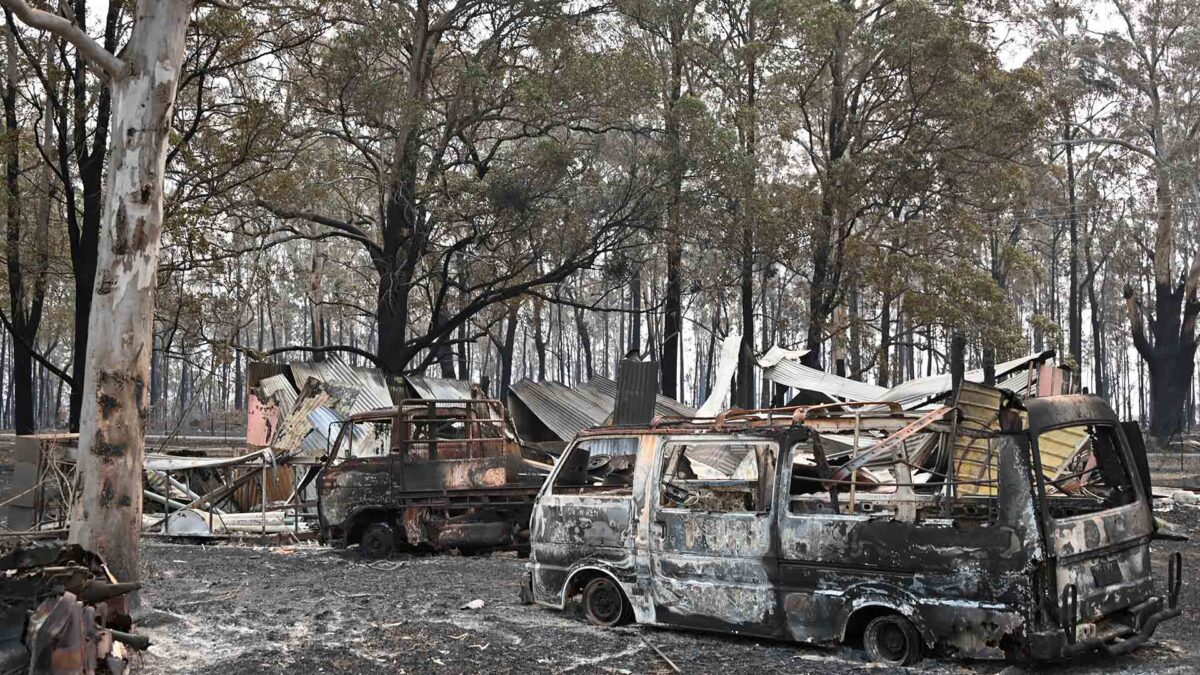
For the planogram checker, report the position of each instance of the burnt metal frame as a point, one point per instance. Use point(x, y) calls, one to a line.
point(1047, 520)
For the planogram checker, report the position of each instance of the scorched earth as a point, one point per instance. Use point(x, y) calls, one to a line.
point(231, 610)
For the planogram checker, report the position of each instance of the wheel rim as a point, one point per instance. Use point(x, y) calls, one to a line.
point(604, 602)
point(374, 541)
point(892, 642)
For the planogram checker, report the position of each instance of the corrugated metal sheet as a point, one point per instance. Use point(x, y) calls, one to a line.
point(278, 387)
point(604, 391)
point(371, 383)
point(723, 459)
point(438, 388)
point(836, 388)
point(925, 390)
point(325, 424)
point(1057, 447)
point(566, 411)
point(637, 389)
point(563, 410)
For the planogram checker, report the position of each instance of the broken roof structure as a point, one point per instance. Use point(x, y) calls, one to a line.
point(1016, 376)
point(827, 386)
point(550, 411)
point(297, 405)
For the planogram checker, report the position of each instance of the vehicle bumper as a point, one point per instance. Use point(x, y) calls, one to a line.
point(1114, 639)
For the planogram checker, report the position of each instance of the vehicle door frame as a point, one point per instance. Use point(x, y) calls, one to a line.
point(1057, 597)
point(765, 567)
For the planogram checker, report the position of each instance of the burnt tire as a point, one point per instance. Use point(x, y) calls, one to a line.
point(377, 541)
point(604, 603)
point(892, 639)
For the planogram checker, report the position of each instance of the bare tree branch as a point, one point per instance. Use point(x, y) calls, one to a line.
point(1109, 141)
point(37, 356)
point(257, 355)
point(103, 61)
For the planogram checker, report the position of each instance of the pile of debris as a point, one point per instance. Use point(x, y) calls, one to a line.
point(62, 612)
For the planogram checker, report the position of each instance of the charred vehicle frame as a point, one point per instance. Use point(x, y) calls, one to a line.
point(433, 474)
point(991, 528)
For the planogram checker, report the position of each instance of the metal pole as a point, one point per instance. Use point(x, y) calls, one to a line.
point(263, 484)
point(853, 456)
point(167, 504)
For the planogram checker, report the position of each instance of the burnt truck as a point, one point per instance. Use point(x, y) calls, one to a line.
point(426, 474)
point(991, 528)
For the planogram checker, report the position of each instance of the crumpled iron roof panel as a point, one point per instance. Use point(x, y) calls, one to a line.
point(606, 389)
point(371, 384)
point(562, 409)
point(925, 390)
point(431, 388)
point(799, 376)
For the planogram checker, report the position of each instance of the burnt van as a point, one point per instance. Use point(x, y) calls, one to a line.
point(991, 528)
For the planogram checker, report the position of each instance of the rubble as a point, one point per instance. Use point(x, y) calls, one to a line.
point(62, 612)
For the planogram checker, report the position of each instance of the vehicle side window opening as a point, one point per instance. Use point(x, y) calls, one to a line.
point(717, 477)
point(1094, 477)
point(450, 430)
point(909, 484)
point(365, 439)
point(598, 466)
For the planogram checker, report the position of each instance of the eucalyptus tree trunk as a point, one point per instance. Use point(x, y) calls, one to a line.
point(107, 516)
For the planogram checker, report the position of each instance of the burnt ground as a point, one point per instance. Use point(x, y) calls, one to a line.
point(232, 610)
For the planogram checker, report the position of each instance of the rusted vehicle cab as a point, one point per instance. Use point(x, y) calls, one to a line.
point(427, 474)
point(987, 529)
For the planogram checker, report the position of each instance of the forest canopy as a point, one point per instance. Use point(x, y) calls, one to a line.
point(490, 190)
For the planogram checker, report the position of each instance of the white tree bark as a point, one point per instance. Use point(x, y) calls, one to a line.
point(107, 517)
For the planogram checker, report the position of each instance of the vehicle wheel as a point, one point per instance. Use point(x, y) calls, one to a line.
point(377, 541)
point(892, 639)
point(604, 603)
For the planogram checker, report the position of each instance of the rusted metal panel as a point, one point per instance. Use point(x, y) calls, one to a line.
point(262, 421)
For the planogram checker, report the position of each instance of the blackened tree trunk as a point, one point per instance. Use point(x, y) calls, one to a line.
point(83, 225)
point(585, 343)
point(1171, 358)
point(885, 341)
point(506, 349)
point(744, 395)
point(539, 339)
point(826, 264)
point(958, 360)
point(26, 292)
point(673, 303)
point(635, 294)
point(1074, 308)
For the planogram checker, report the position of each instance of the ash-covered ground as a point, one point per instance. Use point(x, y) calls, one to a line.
point(230, 610)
